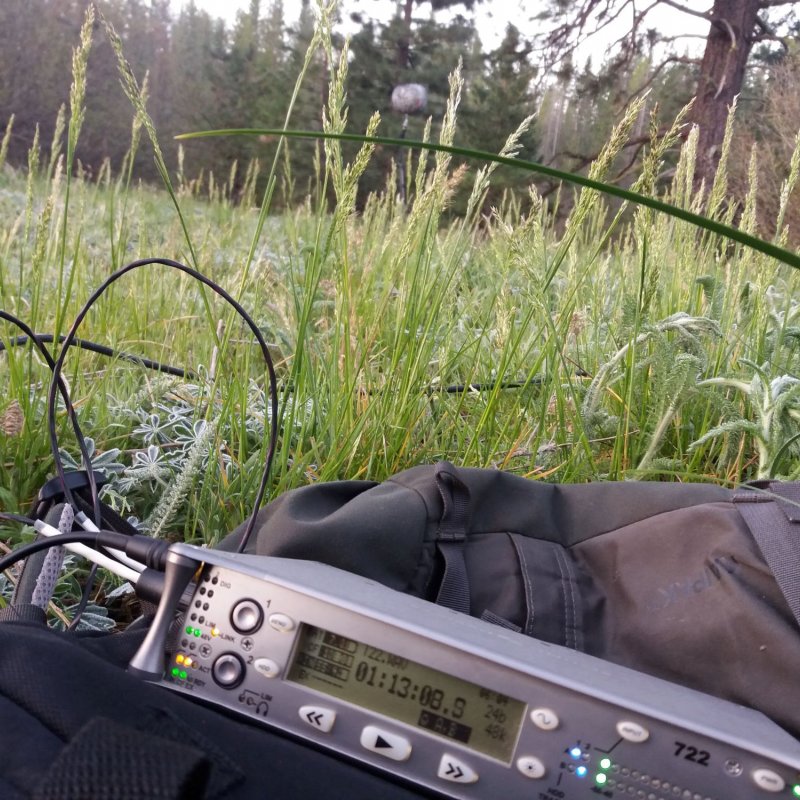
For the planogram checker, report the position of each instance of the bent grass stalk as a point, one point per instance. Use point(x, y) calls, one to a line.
point(373, 315)
point(705, 223)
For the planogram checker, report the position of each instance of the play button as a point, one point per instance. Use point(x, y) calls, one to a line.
point(390, 745)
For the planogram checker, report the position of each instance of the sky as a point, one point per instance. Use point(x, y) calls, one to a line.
point(491, 16)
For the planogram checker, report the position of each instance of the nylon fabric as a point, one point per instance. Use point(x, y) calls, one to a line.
point(28, 747)
point(789, 493)
point(109, 761)
point(454, 589)
point(776, 528)
point(687, 597)
point(663, 578)
point(26, 612)
point(57, 688)
point(358, 526)
point(695, 584)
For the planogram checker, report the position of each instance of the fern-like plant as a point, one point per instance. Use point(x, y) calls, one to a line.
point(773, 419)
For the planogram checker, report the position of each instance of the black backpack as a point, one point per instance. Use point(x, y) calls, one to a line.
point(696, 584)
point(693, 583)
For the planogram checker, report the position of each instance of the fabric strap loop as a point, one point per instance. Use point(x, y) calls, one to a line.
point(773, 517)
point(451, 538)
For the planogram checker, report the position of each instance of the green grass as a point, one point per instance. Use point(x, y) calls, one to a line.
point(645, 348)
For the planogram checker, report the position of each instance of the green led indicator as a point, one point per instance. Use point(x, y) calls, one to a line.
point(183, 675)
point(189, 630)
point(600, 778)
point(175, 672)
point(605, 763)
point(197, 631)
point(796, 790)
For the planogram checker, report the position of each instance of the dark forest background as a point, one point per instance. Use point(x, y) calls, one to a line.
point(202, 74)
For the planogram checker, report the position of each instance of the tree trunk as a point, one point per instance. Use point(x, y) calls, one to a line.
point(728, 46)
point(404, 43)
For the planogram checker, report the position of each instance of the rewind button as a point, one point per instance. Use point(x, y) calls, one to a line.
point(455, 770)
point(320, 718)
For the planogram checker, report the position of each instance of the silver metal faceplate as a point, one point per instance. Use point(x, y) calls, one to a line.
point(588, 728)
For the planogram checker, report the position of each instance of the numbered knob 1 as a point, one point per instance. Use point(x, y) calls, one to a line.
point(247, 616)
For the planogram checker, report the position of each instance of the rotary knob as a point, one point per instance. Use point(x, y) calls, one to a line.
point(228, 671)
point(247, 616)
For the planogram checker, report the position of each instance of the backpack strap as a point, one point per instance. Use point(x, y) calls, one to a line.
point(24, 612)
point(496, 619)
point(110, 761)
point(451, 537)
point(773, 517)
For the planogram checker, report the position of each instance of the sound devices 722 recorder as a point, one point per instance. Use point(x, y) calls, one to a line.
point(445, 701)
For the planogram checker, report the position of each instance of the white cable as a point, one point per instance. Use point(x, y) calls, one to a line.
point(88, 525)
point(97, 557)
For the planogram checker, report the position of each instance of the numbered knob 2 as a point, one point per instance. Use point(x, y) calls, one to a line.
point(228, 671)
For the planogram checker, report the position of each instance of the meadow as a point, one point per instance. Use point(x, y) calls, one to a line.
point(609, 343)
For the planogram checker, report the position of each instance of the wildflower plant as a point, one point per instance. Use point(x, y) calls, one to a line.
point(773, 423)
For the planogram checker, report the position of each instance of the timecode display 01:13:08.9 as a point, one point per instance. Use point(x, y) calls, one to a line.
point(403, 687)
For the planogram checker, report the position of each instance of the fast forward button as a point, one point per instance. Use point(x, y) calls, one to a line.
point(455, 770)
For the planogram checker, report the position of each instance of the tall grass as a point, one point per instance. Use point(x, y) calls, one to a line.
point(613, 346)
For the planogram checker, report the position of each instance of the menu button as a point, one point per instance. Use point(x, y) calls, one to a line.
point(281, 623)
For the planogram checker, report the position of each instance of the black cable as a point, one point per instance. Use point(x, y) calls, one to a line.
point(84, 601)
point(39, 341)
point(58, 382)
point(70, 338)
point(157, 366)
point(481, 387)
point(150, 552)
point(16, 518)
point(94, 347)
point(70, 498)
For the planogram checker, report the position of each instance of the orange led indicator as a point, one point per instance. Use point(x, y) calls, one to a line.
point(187, 662)
point(179, 659)
point(215, 631)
